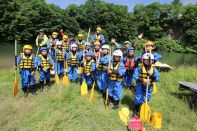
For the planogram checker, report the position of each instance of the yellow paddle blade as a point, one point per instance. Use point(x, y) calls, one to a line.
point(15, 87)
point(154, 87)
point(65, 80)
point(106, 99)
point(145, 112)
point(84, 88)
point(66, 64)
point(124, 115)
point(92, 93)
point(57, 80)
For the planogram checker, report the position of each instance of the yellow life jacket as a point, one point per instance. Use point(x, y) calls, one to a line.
point(114, 76)
point(45, 62)
point(40, 39)
point(80, 45)
point(52, 42)
point(73, 60)
point(59, 55)
point(143, 75)
point(102, 67)
point(66, 46)
point(87, 67)
point(97, 37)
point(26, 63)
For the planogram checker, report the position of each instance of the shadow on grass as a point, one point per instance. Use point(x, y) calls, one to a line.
point(128, 100)
point(189, 97)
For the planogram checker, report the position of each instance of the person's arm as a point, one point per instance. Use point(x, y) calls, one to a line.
point(155, 76)
point(121, 70)
point(93, 66)
point(18, 60)
point(102, 39)
point(44, 42)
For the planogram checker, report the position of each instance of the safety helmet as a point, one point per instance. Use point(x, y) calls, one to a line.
point(127, 42)
point(90, 53)
point(71, 35)
point(97, 43)
point(58, 43)
point(41, 30)
point(54, 33)
point(117, 53)
point(43, 49)
point(87, 43)
point(27, 47)
point(149, 43)
point(131, 49)
point(65, 37)
point(73, 46)
point(105, 47)
point(147, 55)
point(118, 47)
point(80, 35)
point(98, 28)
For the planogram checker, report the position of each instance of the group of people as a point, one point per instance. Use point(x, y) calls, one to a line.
point(111, 68)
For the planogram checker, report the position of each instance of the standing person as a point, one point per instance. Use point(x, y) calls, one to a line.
point(98, 36)
point(144, 74)
point(41, 40)
point(71, 39)
point(74, 59)
point(116, 72)
point(66, 45)
point(97, 50)
point(51, 44)
point(89, 67)
point(27, 65)
point(44, 62)
point(126, 47)
point(102, 65)
point(80, 43)
point(129, 62)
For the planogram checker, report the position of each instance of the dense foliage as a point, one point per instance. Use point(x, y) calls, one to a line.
point(173, 26)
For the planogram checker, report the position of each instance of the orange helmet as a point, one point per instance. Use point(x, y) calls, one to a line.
point(97, 43)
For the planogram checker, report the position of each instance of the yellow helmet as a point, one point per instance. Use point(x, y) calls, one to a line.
point(80, 35)
point(149, 43)
point(65, 37)
point(27, 47)
point(54, 33)
point(98, 28)
point(97, 43)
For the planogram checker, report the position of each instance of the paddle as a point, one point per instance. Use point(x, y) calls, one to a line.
point(145, 111)
point(57, 81)
point(65, 77)
point(15, 81)
point(84, 88)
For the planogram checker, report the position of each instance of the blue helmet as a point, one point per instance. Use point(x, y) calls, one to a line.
point(90, 53)
point(131, 49)
point(118, 47)
point(43, 48)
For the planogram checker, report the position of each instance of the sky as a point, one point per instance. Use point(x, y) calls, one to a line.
point(130, 3)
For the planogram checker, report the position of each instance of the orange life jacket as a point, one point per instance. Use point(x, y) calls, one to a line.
point(130, 63)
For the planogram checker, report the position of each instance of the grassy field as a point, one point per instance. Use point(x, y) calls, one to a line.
point(64, 109)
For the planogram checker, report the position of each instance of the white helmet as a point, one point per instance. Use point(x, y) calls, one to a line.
point(127, 42)
point(147, 55)
point(87, 43)
point(117, 53)
point(58, 43)
point(73, 45)
point(105, 47)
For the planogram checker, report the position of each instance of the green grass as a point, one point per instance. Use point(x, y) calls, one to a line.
point(65, 109)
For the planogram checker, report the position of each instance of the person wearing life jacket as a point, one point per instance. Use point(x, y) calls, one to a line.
point(125, 49)
point(129, 62)
point(74, 58)
point(71, 39)
point(102, 65)
point(66, 45)
point(89, 67)
point(148, 47)
point(41, 40)
point(98, 36)
point(44, 63)
point(80, 43)
point(27, 65)
point(144, 74)
point(60, 56)
point(116, 72)
point(97, 50)
point(51, 44)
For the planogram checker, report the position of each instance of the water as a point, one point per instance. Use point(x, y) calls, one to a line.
point(173, 59)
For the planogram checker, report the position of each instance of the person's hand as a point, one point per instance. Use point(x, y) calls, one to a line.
point(61, 30)
point(32, 73)
point(140, 36)
point(147, 81)
point(88, 74)
point(15, 67)
point(113, 40)
point(109, 71)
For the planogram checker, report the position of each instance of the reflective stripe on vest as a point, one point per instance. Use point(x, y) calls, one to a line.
point(80, 45)
point(114, 76)
point(87, 67)
point(45, 62)
point(73, 60)
point(26, 63)
point(59, 55)
point(66, 46)
point(102, 67)
point(130, 63)
point(97, 37)
point(143, 75)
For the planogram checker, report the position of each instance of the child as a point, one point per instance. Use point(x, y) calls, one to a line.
point(27, 65)
point(80, 43)
point(116, 72)
point(144, 74)
point(102, 66)
point(129, 62)
point(73, 63)
point(51, 44)
point(126, 47)
point(89, 67)
point(44, 63)
point(66, 45)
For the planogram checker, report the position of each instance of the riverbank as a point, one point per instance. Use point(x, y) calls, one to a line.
point(65, 109)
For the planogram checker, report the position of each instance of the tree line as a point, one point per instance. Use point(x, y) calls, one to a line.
point(172, 26)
